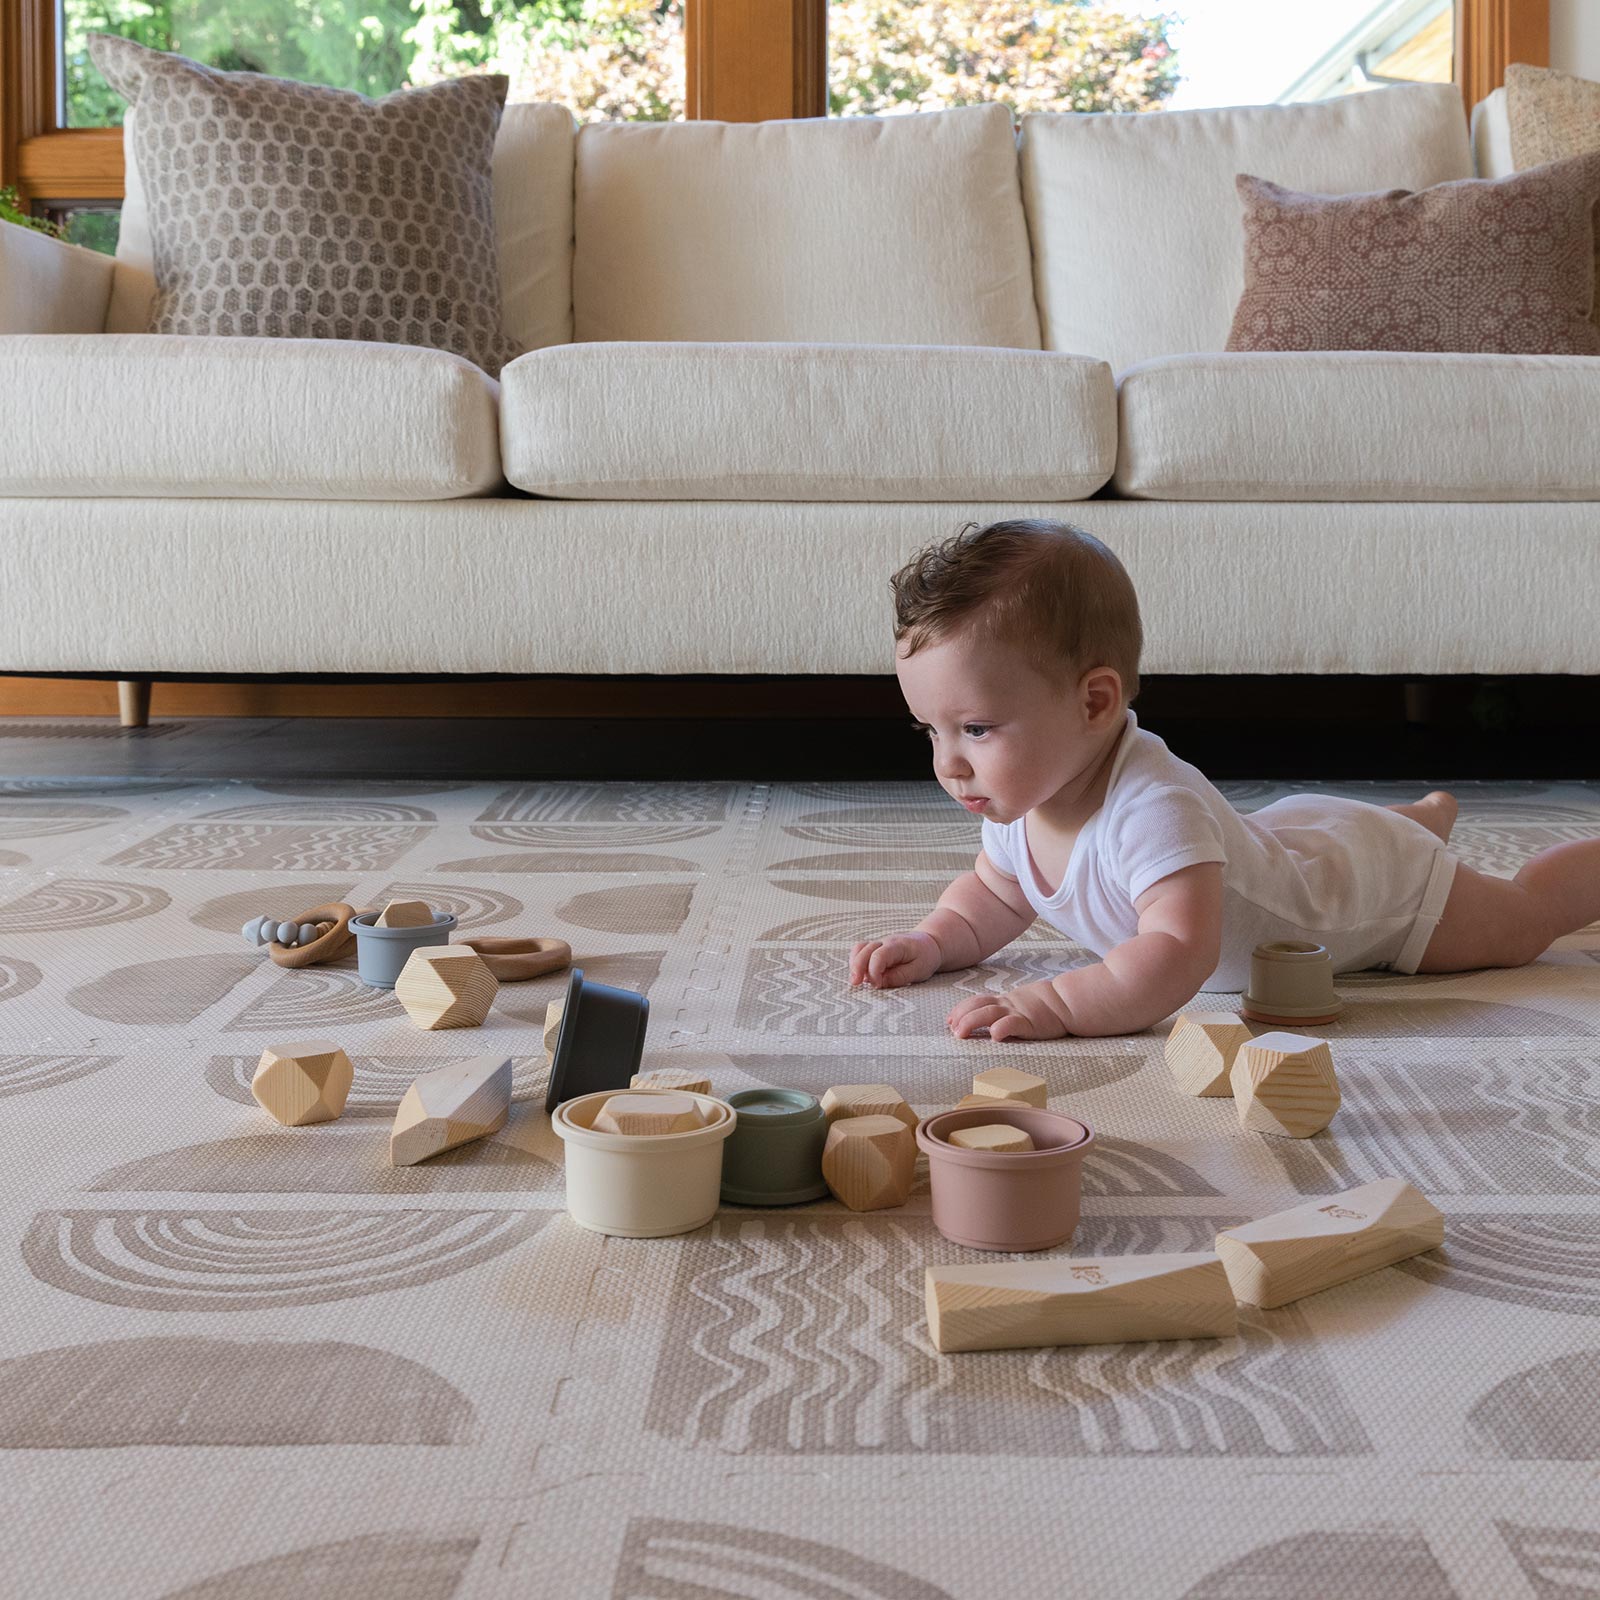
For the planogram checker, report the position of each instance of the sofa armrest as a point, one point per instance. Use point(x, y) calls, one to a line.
point(50, 287)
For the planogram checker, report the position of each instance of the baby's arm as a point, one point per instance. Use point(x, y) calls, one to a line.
point(981, 912)
point(1142, 980)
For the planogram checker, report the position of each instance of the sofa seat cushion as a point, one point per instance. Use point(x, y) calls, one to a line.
point(272, 419)
point(1360, 425)
point(806, 422)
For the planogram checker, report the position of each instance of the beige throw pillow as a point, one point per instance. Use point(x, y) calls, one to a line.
point(288, 210)
point(1503, 265)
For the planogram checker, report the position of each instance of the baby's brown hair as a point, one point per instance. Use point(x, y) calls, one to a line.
point(1048, 588)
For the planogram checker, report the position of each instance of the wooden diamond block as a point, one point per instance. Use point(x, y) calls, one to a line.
point(684, 1078)
point(1201, 1049)
point(449, 1107)
point(553, 1013)
point(868, 1162)
point(987, 1100)
point(1006, 1083)
point(1284, 1084)
point(446, 986)
point(646, 1114)
point(1294, 1253)
point(867, 1100)
point(405, 914)
point(303, 1083)
point(1000, 1137)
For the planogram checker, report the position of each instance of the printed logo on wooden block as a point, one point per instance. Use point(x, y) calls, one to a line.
point(446, 986)
point(1297, 1252)
point(1284, 1084)
point(644, 1115)
point(405, 914)
point(868, 1162)
point(1006, 1083)
point(867, 1100)
point(451, 1106)
point(1201, 1049)
point(304, 1082)
point(684, 1078)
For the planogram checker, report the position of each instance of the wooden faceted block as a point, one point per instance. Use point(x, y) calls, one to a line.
point(303, 1083)
point(1201, 1050)
point(1015, 1305)
point(451, 1106)
point(999, 1137)
point(868, 1162)
point(867, 1100)
point(1284, 1084)
point(683, 1078)
point(1294, 1253)
point(446, 986)
point(645, 1114)
point(553, 1014)
point(405, 914)
point(1006, 1083)
point(987, 1100)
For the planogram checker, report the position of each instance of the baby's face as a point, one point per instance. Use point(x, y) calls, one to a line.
point(1005, 738)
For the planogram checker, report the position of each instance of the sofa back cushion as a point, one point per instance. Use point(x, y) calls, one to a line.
point(1138, 250)
point(860, 230)
point(532, 176)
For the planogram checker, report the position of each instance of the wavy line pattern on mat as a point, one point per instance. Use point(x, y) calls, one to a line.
point(64, 904)
point(884, 860)
point(22, 1074)
point(954, 832)
point(271, 847)
point(240, 1260)
point(397, 1565)
point(380, 1081)
point(845, 927)
point(611, 802)
point(1548, 1261)
point(330, 809)
point(792, 992)
point(570, 861)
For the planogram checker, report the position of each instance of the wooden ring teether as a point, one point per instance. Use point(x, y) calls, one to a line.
point(512, 960)
point(329, 947)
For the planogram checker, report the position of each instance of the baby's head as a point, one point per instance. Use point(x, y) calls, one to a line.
point(1017, 648)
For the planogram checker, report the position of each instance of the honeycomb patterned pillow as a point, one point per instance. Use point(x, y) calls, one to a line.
point(290, 211)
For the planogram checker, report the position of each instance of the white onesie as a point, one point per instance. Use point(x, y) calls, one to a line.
point(1366, 882)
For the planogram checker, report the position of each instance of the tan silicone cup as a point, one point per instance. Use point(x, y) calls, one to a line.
point(642, 1186)
point(1290, 980)
point(1027, 1200)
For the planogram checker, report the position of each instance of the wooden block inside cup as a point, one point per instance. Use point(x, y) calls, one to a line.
point(648, 1114)
point(999, 1137)
point(405, 914)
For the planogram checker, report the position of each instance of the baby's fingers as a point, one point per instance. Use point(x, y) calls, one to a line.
point(972, 1003)
point(984, 1016)
point(859, 957)
point(1013, 1026)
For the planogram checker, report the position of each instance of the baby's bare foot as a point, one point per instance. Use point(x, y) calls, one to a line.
point(1436, 812)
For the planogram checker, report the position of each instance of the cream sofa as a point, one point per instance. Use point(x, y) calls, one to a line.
point(766, 363)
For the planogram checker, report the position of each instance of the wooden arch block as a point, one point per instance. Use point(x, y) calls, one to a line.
point(1006, 1083)
point(1294, 1253)
point(405, 914)
point(1017, 1305)
point(685, 1079)
point(304, 1082)
point(450, 1107)
point(1201, 1049)
point(1284, 1084)
point(647, 1114)
point(446, 986)
point(867, 1100)
point(868, 1162)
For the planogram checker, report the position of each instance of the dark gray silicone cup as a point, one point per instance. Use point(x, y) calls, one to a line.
point(599, 1042)
point(382, 952)
point(774, 1155)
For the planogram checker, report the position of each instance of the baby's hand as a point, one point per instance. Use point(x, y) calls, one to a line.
point(891, 963)
point(1030, 1011)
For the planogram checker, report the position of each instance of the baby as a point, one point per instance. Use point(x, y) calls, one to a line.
point(1017, 650)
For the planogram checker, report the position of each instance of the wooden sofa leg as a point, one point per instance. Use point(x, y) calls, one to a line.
point(133, 702)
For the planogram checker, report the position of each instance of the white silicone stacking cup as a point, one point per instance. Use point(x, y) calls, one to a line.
point(642, 1186)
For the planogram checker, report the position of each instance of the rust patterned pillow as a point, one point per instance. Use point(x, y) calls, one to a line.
point(1506, 265)
point(286, 210)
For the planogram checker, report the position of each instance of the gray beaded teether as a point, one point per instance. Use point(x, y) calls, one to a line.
point(261, 931)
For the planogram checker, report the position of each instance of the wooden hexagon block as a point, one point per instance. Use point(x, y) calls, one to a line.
point(1294, 1253)
point(1000, 1137)
point(304, 1082)
point(451, 1106)
point(682, 1078)
point(446, 986)
point(986, 1100)
point(867, 1100)
point(868, 1162)
point(1201, 1049)
point(553, 1014)
point(1017, 1305)
point(1006, 1083)
point(1284, 1084)
point(405, 914)
point(647, 1114)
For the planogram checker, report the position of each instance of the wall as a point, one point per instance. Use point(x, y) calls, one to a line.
point(1575, 37)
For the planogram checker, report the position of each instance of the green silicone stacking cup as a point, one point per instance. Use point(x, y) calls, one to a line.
point(774, 1156)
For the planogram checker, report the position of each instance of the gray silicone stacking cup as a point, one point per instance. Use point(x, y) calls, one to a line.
point(774, 1156)
point(382, 952)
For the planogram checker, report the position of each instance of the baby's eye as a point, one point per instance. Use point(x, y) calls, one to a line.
point(976, 730)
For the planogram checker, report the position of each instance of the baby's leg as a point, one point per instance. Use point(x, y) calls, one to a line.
point(1508, 922)
point(1436, 812)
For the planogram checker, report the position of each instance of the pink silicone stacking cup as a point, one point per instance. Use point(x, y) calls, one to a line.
point(991, 1201)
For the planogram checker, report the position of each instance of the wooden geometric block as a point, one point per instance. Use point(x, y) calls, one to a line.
point(450, 1106)
point(1006, 1083)
point(1201, 1048)
point(648, 1114)
point(405, 914)
point(1023, 1304)
point(999, 1137)
point(868, 1162)
point(553, 1014)
point(867, 1100)
point(1294, 1253)
point(1284, 1084)
point(304, 1082)
point(986, 1100)
point(684, 1078)
point(446, 986)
